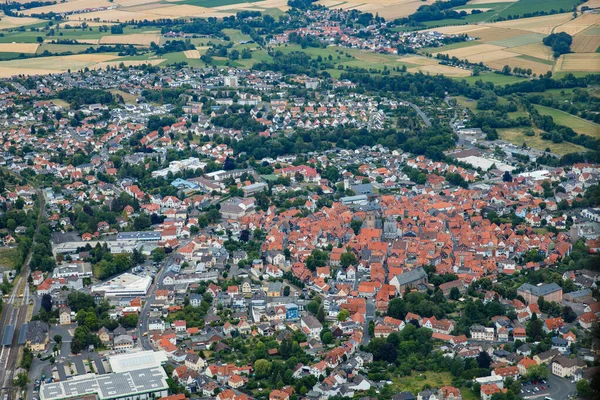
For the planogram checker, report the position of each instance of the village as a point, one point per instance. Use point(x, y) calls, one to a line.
point(180, 266)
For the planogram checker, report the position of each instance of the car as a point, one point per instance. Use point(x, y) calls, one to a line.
point(549, 386)
point(543, 387)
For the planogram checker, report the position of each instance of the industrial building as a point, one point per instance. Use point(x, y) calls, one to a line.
point(139, 236)
point(124, 285)
point(141, 376)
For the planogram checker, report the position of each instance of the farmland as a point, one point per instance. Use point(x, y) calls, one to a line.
point(579, 125)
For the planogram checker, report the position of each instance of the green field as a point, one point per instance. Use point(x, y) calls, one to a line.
point(236, 36)
point(579, 125)
point(521, 40)
point(419, 381)
point(536, 59)
point(7, 258)
point(530, 6)
point(517, 136)
point(496, 79)
point(63, 48)
point(7, 55)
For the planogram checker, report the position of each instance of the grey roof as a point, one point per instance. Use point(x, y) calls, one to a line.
point(9, 333)
point(37, 332)
point(411, 276)
point(108, 386)
point(542, 290)
point(150, 235)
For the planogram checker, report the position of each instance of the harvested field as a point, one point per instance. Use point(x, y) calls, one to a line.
point(537, 50)
point(27, 48)
point(585, 44)
point(590, 4)
point(388, 9)
point(103, 65)
point(465, 52)
point(587, 62)
point(192, 53)
point(579, 24)
point(497, 34)
point(543, 24)
point(14, 22)
point(141, 39)
point(536, 67)
point(73, 5)
point(441, 69)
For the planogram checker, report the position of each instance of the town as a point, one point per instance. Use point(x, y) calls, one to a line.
point(236, 233)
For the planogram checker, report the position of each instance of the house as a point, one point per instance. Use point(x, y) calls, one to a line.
point(65, 316)
point(311, 326)
point(194, 362)
point(479, 332)
point(489, 390)
point(560, 344)
point(37, 335)
point(235, 381)
point(104, 335)
point(531, 293)
point(565, 367)
point(506, 372)
point(524, 364)
point(123, 342)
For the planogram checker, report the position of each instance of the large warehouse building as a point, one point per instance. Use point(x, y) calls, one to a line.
point(141, 376)
point(125, 285)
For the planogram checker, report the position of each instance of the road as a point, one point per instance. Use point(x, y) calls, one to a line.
point(14, 313)
point(423, 116)
point(145, 313)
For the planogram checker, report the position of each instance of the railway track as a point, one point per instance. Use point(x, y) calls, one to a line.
point(14, 312)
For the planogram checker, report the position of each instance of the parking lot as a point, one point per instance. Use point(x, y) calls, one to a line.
point(553, 387)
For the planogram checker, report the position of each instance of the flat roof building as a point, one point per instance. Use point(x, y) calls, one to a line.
point(140, 360)
point(136, 384)
point(124, 285)
point(139, 236)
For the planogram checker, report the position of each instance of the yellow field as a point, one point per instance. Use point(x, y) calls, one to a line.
point(141, 39)
point(13, 22)
point(590, 4)
point(73, 5)
point(388, 9)
point(457, 30)
point(418, 60)
point(441, 69)
point(587, 62)
point(103, 65)
point(27, 48)
point(49, 65)
point(537, 50)
point(579, 24)
point(493, 34)
point(480, 53)
point(192, 53)
point(491, 1)
point(536, 67)
point(543, 24)
point(585, 44)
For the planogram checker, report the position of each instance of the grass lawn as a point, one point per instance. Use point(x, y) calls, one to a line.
point(7, 55)
point(418, 381)
point(576, 74)
point(496, 79)
point(467, 394)
point(236, 36)
point(63, 48)
point(517, 136)
point(7, 258)
point(60, 102)
point(579, 125)
point(517, 114)
point(466, 102)
point(128, 97)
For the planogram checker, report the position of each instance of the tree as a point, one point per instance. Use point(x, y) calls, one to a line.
point(537, 372)
point(80, 301)
point(356, 224)
point(535, 330)
point(583, 388)
point(57, 338)
point(454, 293)
point(262, 368)
point(286, 291)
point(327, 337)
point(321, 314)
point(507, 177)
point(347, 259)
point(158, 254)
point(484, 360)
point(343, 315)
point(568, 314)
point(397, 308)
point(22, 380)
point(47, 303)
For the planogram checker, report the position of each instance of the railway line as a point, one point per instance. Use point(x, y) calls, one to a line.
point(14, 315)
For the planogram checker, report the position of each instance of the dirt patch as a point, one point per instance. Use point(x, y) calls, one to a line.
point(27, 48)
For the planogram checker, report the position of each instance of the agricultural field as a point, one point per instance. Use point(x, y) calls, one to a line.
point(518, 43)
point(140, 39)
point(517, 136)
point(579, 125)
point(389, 9)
